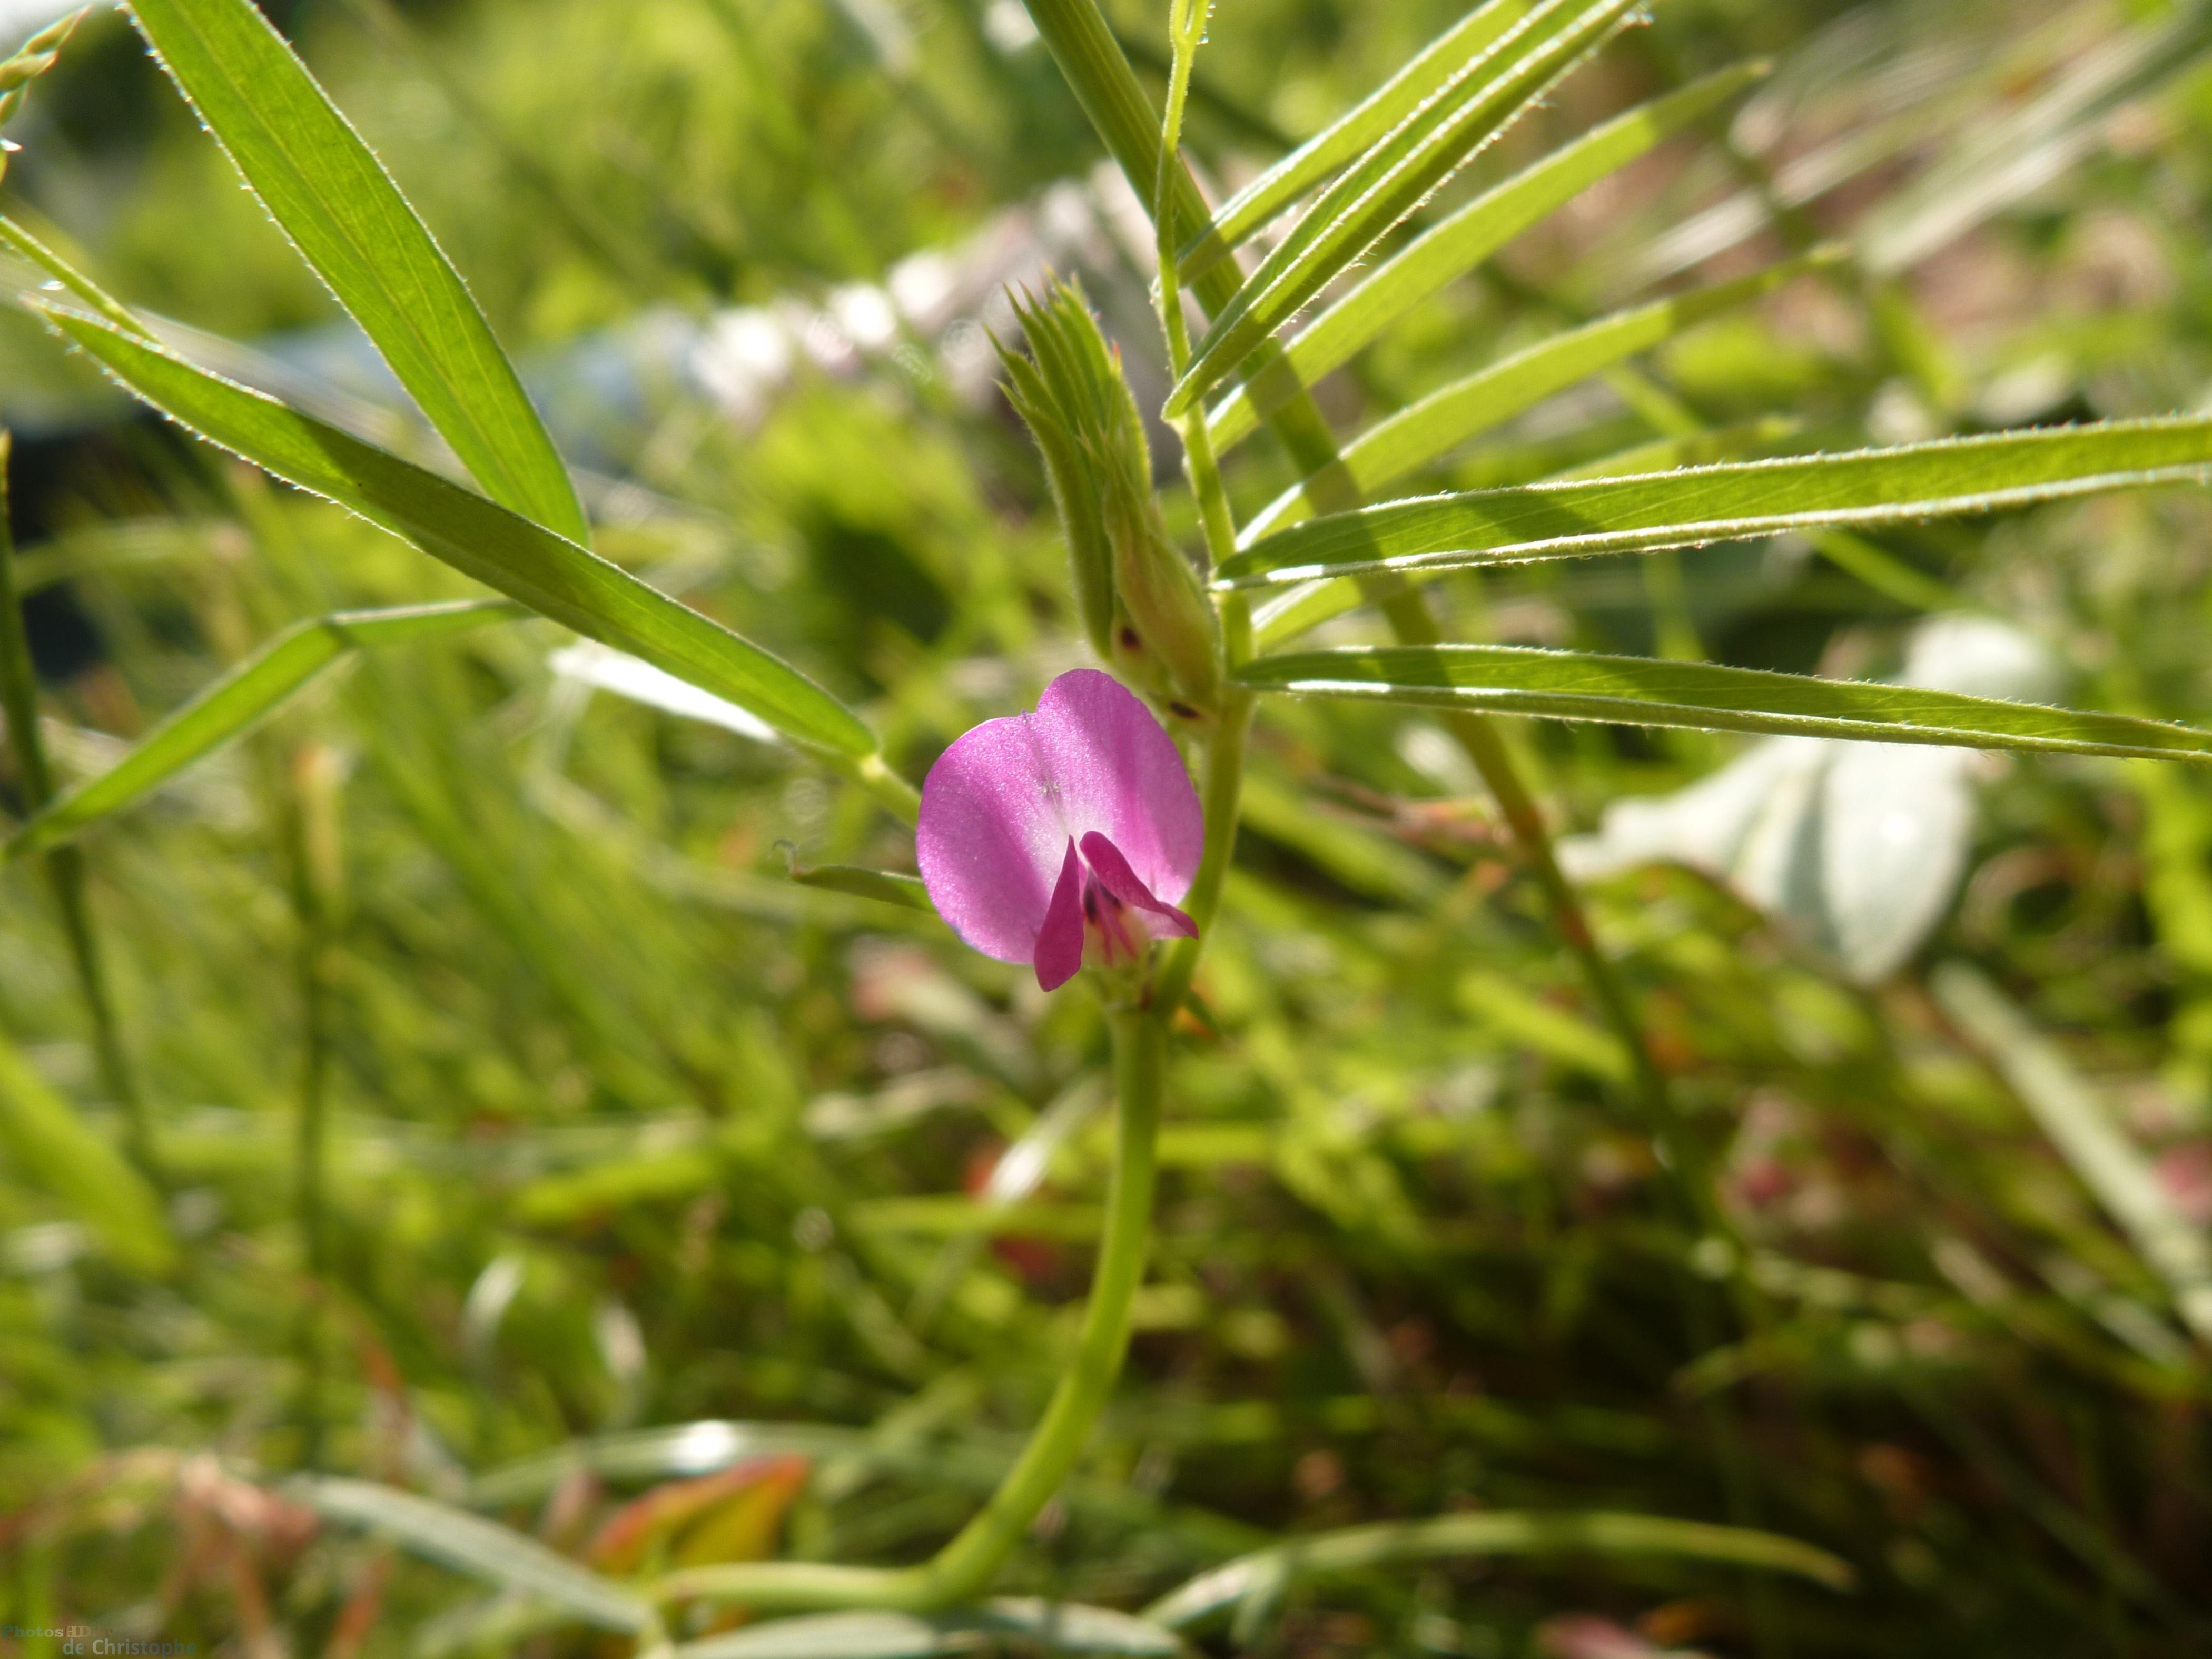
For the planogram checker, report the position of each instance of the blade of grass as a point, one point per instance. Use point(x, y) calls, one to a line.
point(65, 872)
point(237, 703)
point(1577, 685)
point(329, 194)
point(551, 576)
point(2067, 1109)
point(55, 1149)
point(1732, 501)
point(1456, 245)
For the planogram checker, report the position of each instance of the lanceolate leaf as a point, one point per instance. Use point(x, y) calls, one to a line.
point(1352, 134)
point(483, 1550)
point(1731, 502)
point(331, 197)
point(1462, 242)
point(235, 704)
point(549, 573)
point(1575, 685)
point(1499, 1532)
point(1424, 431)
point(1395, 178)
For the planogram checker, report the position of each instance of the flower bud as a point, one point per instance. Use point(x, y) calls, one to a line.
point(1140, 601)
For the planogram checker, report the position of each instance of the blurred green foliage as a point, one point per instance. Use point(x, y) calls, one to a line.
point(626, 1130)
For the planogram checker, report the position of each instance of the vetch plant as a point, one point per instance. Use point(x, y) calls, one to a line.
point(1095, 831)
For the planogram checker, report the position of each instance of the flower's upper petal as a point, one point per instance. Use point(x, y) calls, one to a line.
point(1162, 920)
point(1059, 941)
point(991, 839)
point(1117, 772)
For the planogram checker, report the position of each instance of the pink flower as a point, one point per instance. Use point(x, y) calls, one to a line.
point(1069, 833)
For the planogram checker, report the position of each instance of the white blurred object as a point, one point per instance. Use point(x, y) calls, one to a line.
point(625, 675)
point(1856, 847)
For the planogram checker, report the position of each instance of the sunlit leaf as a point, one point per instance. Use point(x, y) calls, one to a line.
point(1459, 244)
point(1732, 501)
point(343, 213)
point(1396, 176)
point(528, 562)
point(1352, 134)
point(1435, 425)
point(1575, 685)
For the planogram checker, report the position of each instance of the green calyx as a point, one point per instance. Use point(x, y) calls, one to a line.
point(1140, 602)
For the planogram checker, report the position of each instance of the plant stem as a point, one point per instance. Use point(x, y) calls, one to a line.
point(901, 799)
point(65, 873)
point(1224, 784)
point(964, 1567)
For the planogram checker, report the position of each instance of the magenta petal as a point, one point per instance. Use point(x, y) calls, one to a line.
point(1059, 941)
point(1119, 772)
point(990, 838)
point(1118, 879)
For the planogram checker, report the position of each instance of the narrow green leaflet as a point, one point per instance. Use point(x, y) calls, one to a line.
point(237, 703)
point(331, 197)
point(480, 1548)
point(1352, 134)
point(547, 573)
point(885, 886)
point(1395, 177)
point(47, 1145)
point(1056, 1627)
point(1424, 431)
point(1448, 250)
point(1731, 502)
point(1575, 685)
point(1499, 1532)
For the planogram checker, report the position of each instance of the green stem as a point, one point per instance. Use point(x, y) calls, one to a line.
point(964, 1567)
point(899, 797)
point(1224, 785)
point(65, 872)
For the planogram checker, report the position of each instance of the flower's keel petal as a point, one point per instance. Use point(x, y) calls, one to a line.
point(1118, 772)
point(1114, 874)
point(1059, 941)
